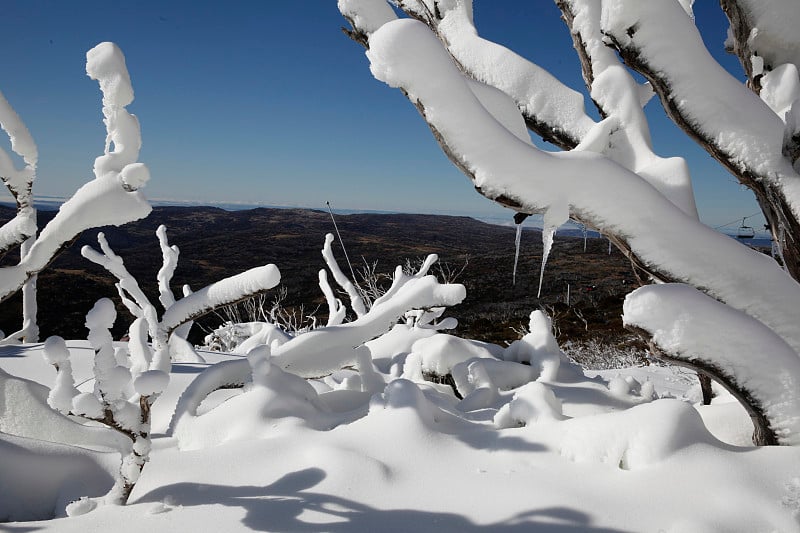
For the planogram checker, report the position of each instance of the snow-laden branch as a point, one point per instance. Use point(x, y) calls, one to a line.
point(763, 35)
point(756, 365)
point(660, 40)
point(728, 120)
point(336, 311)
point(550, 108)
point(621, 99)
point(225, 292)
point(169, 261)
point(112, 198)
point(18, 181)
point(124, 392)
point(114, 264)
point(193, 305)
point(323, 350)
point(596, 189)
point(356, 301)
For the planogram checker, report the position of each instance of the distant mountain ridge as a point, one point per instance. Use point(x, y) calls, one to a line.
point(215, 243)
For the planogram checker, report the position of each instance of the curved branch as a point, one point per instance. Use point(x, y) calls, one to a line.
point(690, 329)
point(597, 190)
point(726, 119)
point(552, 110)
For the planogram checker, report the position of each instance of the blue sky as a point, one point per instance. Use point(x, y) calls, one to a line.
point(269, 103)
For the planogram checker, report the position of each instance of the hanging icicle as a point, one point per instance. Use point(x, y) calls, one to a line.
point(555, 216)
point(517, 240)
point(547, 241)
point(519, 218)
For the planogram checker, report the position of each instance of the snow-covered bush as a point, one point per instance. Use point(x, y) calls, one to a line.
point(599, 355)
point(413, 303)
point(124, 391)
point(168, 332)
point(112, 198)
point(129, 379)
point(247, 318)
point(481, 99)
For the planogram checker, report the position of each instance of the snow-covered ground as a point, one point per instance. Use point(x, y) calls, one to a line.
point(576, 452)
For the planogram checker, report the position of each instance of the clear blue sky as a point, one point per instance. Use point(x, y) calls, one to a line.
point(268, 102)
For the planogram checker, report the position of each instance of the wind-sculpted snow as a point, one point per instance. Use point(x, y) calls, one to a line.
point(690, 326)
point(404, 53)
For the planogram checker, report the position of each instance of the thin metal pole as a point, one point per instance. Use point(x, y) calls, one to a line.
point(352, 273)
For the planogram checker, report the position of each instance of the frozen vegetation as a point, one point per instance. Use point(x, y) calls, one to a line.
point(381, 420)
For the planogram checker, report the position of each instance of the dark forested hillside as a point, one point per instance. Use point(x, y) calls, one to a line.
point(215, 243)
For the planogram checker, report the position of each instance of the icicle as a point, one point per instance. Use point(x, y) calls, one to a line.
point(777, 248)
point(556, 215)
point(517, 240)
point(547, 242)
point(609, 246)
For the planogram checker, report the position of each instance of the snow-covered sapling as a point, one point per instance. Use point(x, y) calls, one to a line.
point(177, 315)
point(121, 400)
point(112, 198)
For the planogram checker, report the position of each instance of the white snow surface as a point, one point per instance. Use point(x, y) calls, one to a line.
point(278, 455)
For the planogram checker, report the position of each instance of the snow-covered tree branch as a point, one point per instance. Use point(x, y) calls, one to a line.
point(477, 99)
point(112, 198)
point(193, 305)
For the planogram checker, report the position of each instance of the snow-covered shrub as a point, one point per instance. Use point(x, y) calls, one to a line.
point(243, 320)
point(598, 355)
point(128, 379)
point(124, 391)
point(168, 332)
point(410, 309)
point(480, 99)
point(112, 198)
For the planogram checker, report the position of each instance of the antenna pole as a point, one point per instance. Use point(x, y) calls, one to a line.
point(335, 227)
